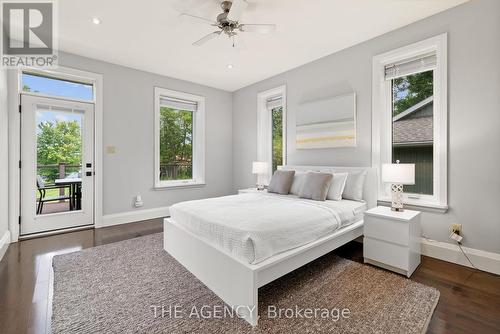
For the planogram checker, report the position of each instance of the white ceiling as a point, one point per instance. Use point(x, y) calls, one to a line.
point(149, 34)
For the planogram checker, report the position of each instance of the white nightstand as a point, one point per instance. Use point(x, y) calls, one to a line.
point(392, 239)
point(251, 190)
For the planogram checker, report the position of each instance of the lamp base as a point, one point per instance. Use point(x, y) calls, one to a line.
point(397, 197)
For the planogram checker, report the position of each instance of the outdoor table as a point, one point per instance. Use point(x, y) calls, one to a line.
point(75, 191)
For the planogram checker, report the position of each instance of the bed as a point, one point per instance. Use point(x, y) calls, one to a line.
point(236, 244)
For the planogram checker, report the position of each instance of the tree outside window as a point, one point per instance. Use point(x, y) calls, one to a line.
point(176, 144)
point(277, 135)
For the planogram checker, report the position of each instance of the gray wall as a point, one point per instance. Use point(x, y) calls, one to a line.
point(4, 139)
point(474, 115)
point(128, 125)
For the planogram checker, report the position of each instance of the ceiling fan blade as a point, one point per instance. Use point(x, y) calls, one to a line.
point(259, 28)
point(237, 9)
point(197, 18)
point(207, 38)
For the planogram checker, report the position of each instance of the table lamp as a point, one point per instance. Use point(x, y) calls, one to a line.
point(259, 168)
point(398, 175)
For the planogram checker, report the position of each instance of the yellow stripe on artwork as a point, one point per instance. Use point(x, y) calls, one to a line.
point(330, 138)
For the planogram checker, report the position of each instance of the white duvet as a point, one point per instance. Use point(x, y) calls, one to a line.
point(254, 227)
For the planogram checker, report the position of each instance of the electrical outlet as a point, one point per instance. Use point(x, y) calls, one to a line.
point(456, 237)
point(138, 201)
point(456, 228)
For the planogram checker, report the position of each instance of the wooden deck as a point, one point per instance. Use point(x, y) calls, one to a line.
point(55, 207)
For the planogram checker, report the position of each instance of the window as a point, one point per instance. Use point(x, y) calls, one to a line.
point(410, 118)
point(176, 143)
point(179, 124)
point(412, 127)
point(276, 108)
point(45, 85)
point(271, 137)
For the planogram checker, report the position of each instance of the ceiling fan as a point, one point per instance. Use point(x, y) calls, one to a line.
point(228, 22)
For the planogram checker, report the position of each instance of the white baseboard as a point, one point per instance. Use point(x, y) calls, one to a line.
point(133, 216)
point(4, 243)
point(483, 260)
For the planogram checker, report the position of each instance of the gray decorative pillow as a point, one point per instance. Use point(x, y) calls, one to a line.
point(316, 186)
point(354, 186)
point(281, 182)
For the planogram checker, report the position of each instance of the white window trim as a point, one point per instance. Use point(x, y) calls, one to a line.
point(382, 119)
point(264, 129)
point(198, 140)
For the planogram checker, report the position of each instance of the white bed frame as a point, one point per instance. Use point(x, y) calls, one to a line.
point(237, 282)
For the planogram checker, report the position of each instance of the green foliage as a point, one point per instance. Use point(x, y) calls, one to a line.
point(410, 90)
point(176, 144)
point(277, 133)
point(58, 142)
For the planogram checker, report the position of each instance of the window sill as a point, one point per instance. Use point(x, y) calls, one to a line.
point(425, 207)
point(177, 185)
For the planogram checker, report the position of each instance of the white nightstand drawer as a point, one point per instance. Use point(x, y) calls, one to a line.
point(393, 255)
point(393, 231)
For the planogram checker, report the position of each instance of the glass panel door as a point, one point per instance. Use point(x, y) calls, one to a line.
point(57, 164)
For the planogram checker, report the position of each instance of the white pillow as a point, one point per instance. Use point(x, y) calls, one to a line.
point(337, 187)
point(354, 186)
point(298, 181)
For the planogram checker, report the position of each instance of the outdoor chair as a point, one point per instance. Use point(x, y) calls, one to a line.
point(42, 187)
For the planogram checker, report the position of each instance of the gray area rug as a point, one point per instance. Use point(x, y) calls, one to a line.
point(134, 286)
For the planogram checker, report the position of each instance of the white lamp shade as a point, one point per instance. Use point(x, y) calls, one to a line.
point(398, 173)
point(259, 167)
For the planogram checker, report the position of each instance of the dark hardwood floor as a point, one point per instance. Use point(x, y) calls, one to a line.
point(26, 273)
point(469, 302)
